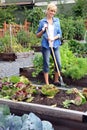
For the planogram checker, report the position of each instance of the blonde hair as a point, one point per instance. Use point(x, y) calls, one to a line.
point(52, 6)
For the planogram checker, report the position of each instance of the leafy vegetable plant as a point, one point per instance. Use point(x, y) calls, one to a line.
point(72, 66)
point(49, 90)
point(79, 99)
point(29, 121)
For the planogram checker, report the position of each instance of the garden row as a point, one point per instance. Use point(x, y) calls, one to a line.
point(48, 102)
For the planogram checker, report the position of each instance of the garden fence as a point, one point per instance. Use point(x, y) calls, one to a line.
point(15, 28)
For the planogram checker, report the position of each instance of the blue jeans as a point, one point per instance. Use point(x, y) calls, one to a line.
point(46, 52)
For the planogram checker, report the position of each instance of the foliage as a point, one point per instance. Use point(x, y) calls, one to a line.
point(38, 64)
point(72, 28)
point(78, 48)
point(33, 40)
point(67, 57)
point(80, 8)
point(78, 70)
point(17, 47)
point(34, 16)
point(49, 90)
point(65, 8)
point(25, 122)
point(23, 38)
point(67, 27)
point(17, 88)
point(4, 109)
point(85, 37)
point(85, 9)
point(80, 29)
point(66, 103)
point(10, 46)
point(7, 14)
point(1, 46)
point(6, 43)
point(24, 80)
point(15, 79)
point(78, 100)
point(84, 92)
point(20, 91)
point(71, 66)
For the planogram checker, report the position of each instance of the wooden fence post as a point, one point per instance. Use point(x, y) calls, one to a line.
point(26, 25)
point(15, 28)
point(86, 24)
point(5, 26)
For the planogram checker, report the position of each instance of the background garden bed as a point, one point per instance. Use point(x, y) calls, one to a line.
point(27, 71)
point(8, 57)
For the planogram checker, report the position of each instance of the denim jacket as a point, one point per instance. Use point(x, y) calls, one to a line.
point(57, 30)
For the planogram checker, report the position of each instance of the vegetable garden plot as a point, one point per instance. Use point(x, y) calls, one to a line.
point(21, 89)
point(54, 104)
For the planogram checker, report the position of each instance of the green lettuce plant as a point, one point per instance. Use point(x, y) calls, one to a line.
point(78, 100)
point(49, 90)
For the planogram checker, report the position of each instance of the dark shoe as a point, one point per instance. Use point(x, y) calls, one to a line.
point(57, 83)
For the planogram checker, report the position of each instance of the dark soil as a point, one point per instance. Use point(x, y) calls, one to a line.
point(61, 96)
point(40, 79)
point(8, 56)
point(58, 100)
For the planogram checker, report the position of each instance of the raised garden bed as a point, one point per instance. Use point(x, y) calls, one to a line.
point(36, 48)
point(62, 119)
point(40, 79)
point(51, 109)
point(8, 56)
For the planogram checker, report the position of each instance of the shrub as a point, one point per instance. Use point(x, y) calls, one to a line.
point(79, 29)
point(7, 43)
point(23, 38)
point(34, 16)
point(80, 8)
point(78, 48)
point(33, 40)
point(72, 28)
point(73, 67)
point(67, 28)
point(7, 46)
point(78, 70)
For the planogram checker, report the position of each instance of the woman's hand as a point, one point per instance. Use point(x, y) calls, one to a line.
point(44, 27)
point(51, 40)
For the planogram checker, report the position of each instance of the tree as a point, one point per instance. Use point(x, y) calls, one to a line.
point(7, 14)
point(80, 8)
point(34, 16)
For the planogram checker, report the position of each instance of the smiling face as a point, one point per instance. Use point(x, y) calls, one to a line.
point(51, 10)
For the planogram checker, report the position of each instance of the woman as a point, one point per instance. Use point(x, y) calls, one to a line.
point(50, 31)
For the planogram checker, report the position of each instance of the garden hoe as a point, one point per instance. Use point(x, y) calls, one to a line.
point(60, 77)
